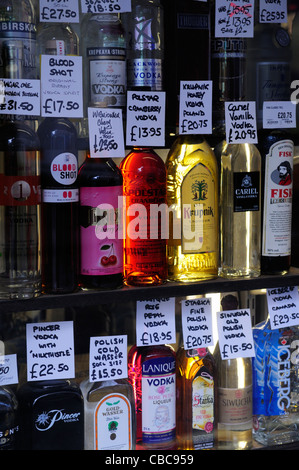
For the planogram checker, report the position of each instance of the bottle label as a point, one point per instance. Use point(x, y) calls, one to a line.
point(107, 72)
point(145, 73)
point(64, 168)
point(246, 191)
point(277, 216)
point(158, 400)
point(203, 410)
point(60, 195)
point(101, 242)
point(198, 221)
point(20, 190)
point(235, 406)
point(272, 83)
point(112, 421)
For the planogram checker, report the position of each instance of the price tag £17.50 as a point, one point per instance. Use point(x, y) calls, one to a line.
point(235, 334)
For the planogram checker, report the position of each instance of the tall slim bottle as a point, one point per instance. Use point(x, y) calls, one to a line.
point(196, 401)
point(101, 239)
point(151, 372)
point(192, 198)
point(240, 209)
point(60, 205)
point(234, 394)
point(144, 180)
point(144, 27)
point(110, 419)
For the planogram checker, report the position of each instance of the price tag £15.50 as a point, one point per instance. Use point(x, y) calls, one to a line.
point(235, 334)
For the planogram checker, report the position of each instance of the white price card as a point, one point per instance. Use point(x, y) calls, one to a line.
point(279, 114)
point(20, 96)
point(155, 322)
point(61, 86)
point(104, 6)
point(273, 11)
point(50, 351)
point(197, 323)
point(235, 333)
point(106, 137)
point(195, 107)
point(145, 118)
point(8, 370)
point(283, 306)
point(57, 11)
point(234, 19)
point(108, 358)
point(240, 122)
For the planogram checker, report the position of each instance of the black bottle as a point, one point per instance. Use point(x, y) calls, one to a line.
point(51, 416)
point(277, 151)
point(8, 419)
point(101, 257)
point(60, 205)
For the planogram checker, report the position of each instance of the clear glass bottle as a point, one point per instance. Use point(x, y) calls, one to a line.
point(275, 384)
point(234, 394)
point(277, 150)
point(144, 27)
point(101, 252)
point(151, 372)
point(110, 419)
point(240, 209)
point(60, 205)
point(144, 181)
point(51, 415)
point(9, 423)
point(196, 401)
point(192, 198)
point(18, 30)
point(20, 212)
point(57, 39)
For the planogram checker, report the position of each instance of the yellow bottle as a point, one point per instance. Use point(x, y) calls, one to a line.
point(192, 198)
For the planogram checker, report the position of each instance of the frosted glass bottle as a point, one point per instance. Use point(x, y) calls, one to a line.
point(110, 420)
point(192, 198)
point(240, 168)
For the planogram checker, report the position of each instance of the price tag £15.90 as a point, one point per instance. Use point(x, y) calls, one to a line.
point(235, 333)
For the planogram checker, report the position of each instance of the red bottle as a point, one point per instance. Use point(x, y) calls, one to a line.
point(144, 183)
point(151, 372)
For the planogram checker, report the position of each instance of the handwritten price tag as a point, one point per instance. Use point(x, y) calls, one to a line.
point(234, 18)
point(195, 107)
point(235, 333)
point(8, 370)
point(197, 323)
point(20, 97)
point(273, 12)
point(155, 322)
point(102, 6)
point(240, 122)
point(108, 358)
point(283, 306)
point(105, 133)
point(145, 118)
point(59, 11)
point(50, 351)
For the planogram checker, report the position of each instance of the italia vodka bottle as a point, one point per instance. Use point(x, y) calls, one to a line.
point(110, 419)
point(101, 239)
point(275, 384)
point(144, 180)
point(151, 371)
point(60, 205)
point(192, 198)
point(145, 45)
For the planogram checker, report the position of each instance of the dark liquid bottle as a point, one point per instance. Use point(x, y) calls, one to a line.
point(8, 419)
point(101, 243)
point(277, 151)
point(51, 416)
point(144, 176)
point(151, 372)
point(60, 205)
